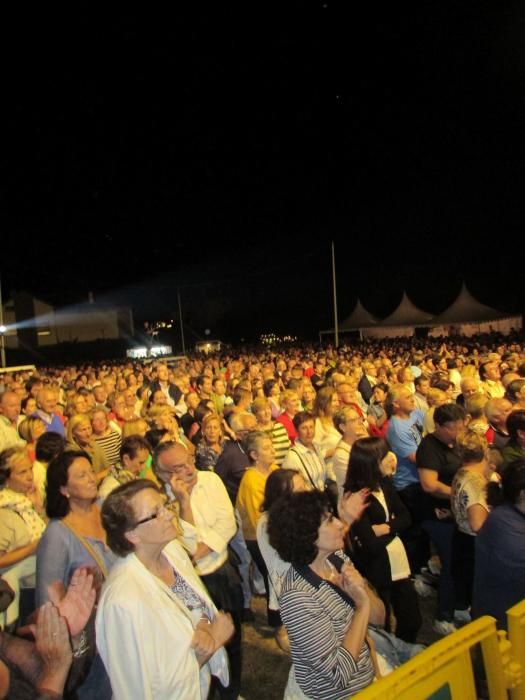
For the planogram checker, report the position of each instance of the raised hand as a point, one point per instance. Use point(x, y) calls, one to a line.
point(353, 505)
point(75, 604)
point(354, 584)
point(53, 645)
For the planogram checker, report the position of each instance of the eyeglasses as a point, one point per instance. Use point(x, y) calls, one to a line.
point(162, 508)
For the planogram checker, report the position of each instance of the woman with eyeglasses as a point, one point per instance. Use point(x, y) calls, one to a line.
point(158, 632)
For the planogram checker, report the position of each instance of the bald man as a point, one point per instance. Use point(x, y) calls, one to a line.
point(9, 413)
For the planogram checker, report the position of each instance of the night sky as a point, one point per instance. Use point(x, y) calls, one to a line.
point(219, 151)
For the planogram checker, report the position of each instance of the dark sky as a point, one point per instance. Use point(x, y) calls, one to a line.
point(219, 151)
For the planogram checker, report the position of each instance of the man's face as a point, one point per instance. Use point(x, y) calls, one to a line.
point(48, 401)
point(177, 462)
point(405, 402)
point(10, 406)
point(499, 417)
point(206, 386)
point(137, 463)
point(449, 432)
point(249, 424)
point(492, 371)
point(469, 387)
point(423, 387)
point(100, 394)
point(220, 387)
point(162, 373)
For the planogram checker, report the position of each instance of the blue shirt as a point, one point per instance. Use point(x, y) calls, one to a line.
point(59, 553)
point(404, 436)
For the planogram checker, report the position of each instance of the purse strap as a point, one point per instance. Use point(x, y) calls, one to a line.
point(304, 467)
point(90, 550)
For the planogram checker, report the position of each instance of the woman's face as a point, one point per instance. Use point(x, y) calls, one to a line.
point(275, 391)
point(353, 427)
point(212, 431)
point(80, 404)
point(298, 483)
point(379, 395)
point(308, 394)
point(330, 534)
point(129, 397)
point(388, 464)
point(264, 415)
point(83, 432)
point(81, 481)
point(306, 432)
point(158, 530)
point(334, 404)
point(30, 407)
point(21, 478)
point(39, 428)
point(264, 452)
point(99, 422)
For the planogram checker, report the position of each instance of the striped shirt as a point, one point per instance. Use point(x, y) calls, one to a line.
point(310, 464)
point(280, 441)
point(317, 616)
point(110, 446)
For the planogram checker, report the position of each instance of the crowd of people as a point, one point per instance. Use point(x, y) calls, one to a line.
point(343, 484)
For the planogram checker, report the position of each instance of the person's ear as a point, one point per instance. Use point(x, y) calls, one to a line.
point(64, 491)
point(133, 536)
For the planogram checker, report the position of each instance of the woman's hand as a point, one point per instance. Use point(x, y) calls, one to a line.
point(75, 604)
point(352, 505)
point(53, 645)
point(382, 529)
point(222, 628)
point(203, 642)
point(354, 584)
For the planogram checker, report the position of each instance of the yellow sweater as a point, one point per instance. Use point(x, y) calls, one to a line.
point(250, 499)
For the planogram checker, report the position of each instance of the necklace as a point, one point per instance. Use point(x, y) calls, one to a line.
point(328, 571)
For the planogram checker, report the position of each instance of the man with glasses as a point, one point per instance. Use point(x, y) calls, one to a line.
point(208, 524)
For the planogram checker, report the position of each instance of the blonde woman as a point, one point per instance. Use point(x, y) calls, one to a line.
point(30, 429)
point(80, 437)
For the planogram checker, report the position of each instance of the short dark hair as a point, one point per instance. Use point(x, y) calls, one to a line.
point(278, 485)
point(514, 388)
point(57, 505)
point(419, 380)
point(301, 418)
point(132, 444)
point(268, 386)
point(513, 481)
point(118, 516)
point(363, 466)
point(448, 413)
point(515, 422)
point(155, 435)
point(293, 525)
point(48, 446)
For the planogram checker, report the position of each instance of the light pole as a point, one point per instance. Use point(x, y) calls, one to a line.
point(2, 344)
